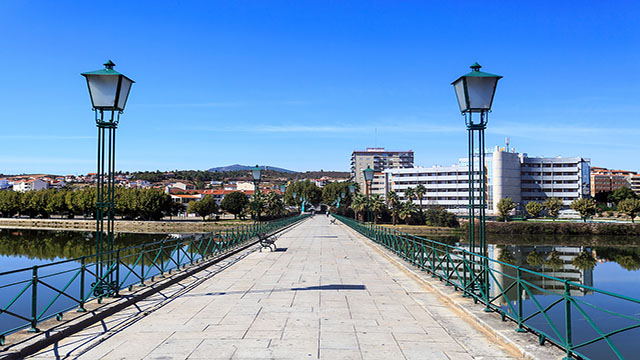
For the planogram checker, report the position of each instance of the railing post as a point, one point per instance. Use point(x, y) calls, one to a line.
point(162, 260)
point(450, 266)
point(191, 250)
point(117, 287)
point(83, 267)
point(567, 318)
point(434, 264)
point(519, 290)
point(34, 300)
point(142, 257)
point(485, 285)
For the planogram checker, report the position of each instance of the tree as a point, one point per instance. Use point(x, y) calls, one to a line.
point(584, 207)
point(393, 201)
point(409, 194)
point(629, 207)
point(438, 216)
point(193, 207)
point(553, 206)
point(303, 189)
point(534, 208)
point(9, 203)
point(505, 206)
point(377, 205)
point(204, 207)
point(407, 210)
point(622, 194)
point(274, 204)
point(175, 209)
point(234, 203)
point(257, 205)
point(419, 192)
point(332, 191)
point(360, 204)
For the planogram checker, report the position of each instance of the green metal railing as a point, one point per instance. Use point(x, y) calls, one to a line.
point(607, 325)
point(42, 292)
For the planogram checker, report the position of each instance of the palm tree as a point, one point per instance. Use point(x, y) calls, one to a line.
point(409, 194)
point(419, 192)
point(376, 205)
point(407, 210)
point(274, 204)
point(393, 201)
point(359, 204)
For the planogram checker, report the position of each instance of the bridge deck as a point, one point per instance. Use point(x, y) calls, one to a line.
point(329, 295)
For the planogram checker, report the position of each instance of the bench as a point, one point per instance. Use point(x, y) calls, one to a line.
point(267, 241)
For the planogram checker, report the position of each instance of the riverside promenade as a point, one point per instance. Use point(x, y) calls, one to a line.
point(327, 293)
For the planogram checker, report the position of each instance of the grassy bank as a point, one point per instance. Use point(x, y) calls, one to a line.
point(420, 230)
point(559, 228)
point(129, 226)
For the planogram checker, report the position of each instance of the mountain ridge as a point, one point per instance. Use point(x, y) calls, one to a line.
point(238, 167)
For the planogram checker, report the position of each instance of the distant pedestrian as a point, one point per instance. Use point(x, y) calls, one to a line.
point(327, 213)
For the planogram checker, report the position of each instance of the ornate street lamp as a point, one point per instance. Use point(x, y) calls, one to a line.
point(368, 178)
point(256, 172)
point(475, 92)
point(109, 91)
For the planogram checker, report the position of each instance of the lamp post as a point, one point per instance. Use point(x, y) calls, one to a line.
point(256, 172)
point(109, 91)
point(368, 178)
point(336, 202)
point(302, 199)
point(475, 92)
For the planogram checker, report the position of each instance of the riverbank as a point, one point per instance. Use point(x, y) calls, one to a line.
point(128, 226)
point(420, 230)
point(528, 228)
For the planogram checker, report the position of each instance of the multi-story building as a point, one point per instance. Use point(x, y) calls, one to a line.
point(508, 174)
point(603, 179)
point(379, 160)
point(634, 182)
point(29, 185)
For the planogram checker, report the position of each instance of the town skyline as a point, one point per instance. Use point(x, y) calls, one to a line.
point(301, 87)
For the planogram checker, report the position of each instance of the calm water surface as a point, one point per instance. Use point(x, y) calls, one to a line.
point(24, 249)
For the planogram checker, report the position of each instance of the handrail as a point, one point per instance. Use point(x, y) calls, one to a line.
point(560, 318)
point(61, 286)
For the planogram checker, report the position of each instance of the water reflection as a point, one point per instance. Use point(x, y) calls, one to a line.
point(45, 245)
point(554, 261)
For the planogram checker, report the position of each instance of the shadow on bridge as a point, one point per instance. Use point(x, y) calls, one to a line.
point(306, 288)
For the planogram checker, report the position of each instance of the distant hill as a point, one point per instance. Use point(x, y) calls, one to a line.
point(238, 167)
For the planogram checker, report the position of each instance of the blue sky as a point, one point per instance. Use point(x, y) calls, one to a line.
point(301, 84)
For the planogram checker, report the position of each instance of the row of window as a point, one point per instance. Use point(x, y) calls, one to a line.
point(549, 182)
point(547, 190)
point(538, 198)
point(436, 174)
point(550, 173)
point(543, 165)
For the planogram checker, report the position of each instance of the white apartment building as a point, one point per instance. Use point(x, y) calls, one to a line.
point(634, 182)
point(245, 186)
point(508, 174)
point(29, 185)
point(379, 160)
